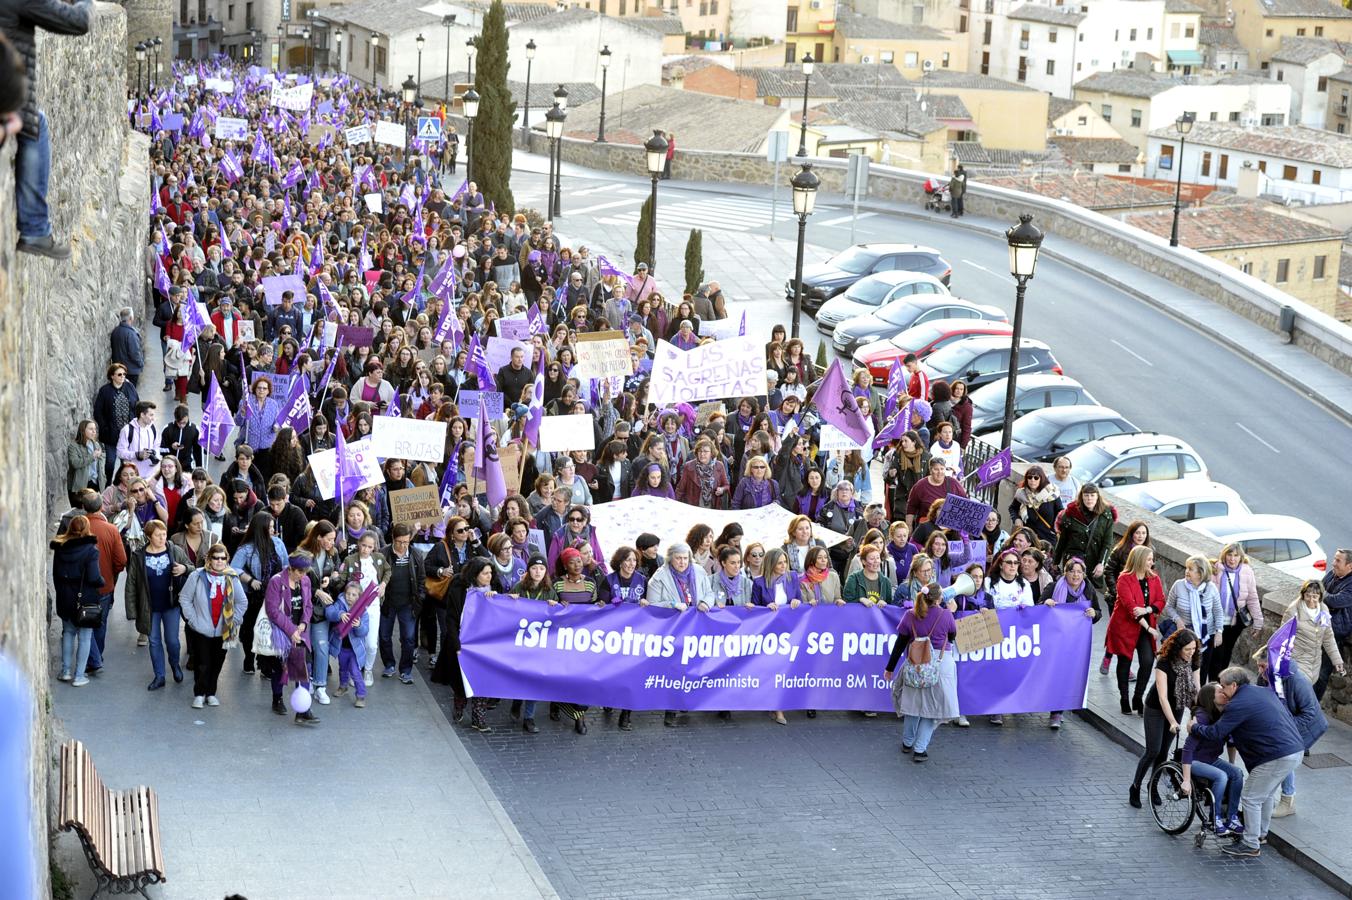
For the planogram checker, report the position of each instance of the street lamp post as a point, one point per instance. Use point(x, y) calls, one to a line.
point(305, 34)
point(525, 114)
point(805, 185)
point(409, 91)
point(808, 66)
point(140, 58)
point(471, 103)
point(1184, 125)
point(375, 72)
point(338, 42)
point(447, 21)
point(561, 99)
point(605, 67)
point(281, 47)
point(1025, 239)
point(420, 42)
point(157, 42)
point(656, 149)
point(554, 130)
point(471, 47)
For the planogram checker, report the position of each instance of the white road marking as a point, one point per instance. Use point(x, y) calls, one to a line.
point(1250, 433)
point(832, 223)
point(975, 265)
point(1124, 347)
point(591, 190)
point(588, 209)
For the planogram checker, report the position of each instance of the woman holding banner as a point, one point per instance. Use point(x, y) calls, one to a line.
point(926, 693)
point(1073, 587)
point(1132, 625)
point(730, 586)
point(820, 584)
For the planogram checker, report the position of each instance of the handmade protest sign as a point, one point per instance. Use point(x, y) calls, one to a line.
point(469, 404)
point(720, 329)
point(409, 439)
point(296, 98)
point(355, 336)
point(705, 411)
point(391, 133)
point(603, 354)
point(325, 466)
point(374, 202)
point(515, 328)
point(319, 133)
point(979, 631)
point(229, 129)
point(220, 85)
point(812, 657)
point(245, 329)
point(567, 433)
point(498, 353)
point(276, 285)
point(358, 134)
point(281, 384)
point(512, 460)
point(832, 438)
point(963, 515)
point(417, 504)
point(729, 368)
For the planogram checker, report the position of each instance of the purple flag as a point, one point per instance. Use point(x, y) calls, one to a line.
point(893, 428)
point(297, 406)
point(536, 321)
point(741, 329)
point(836, 405)
point(328, 373)
point(606, 268)
point(443, 285)
point(347, 478)
point(449, 479)
point(193, 321)
point(363, 258)
point(317, 256)
point(326, 298)
point(217, 421)
point(1280, 647)
point(161, 278)
point(997, 468)
point(393, 408)
point(486, 449)
point(896, 385)
point(477, 364)
point(460, 191)
point(293, 175)
point(449, 328)
point(747, 658)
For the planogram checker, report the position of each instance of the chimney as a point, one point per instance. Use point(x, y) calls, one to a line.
point(678, 78)
point(1249, 182)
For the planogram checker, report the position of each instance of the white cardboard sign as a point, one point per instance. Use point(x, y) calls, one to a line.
point(408, 439)
point(325, 466)
point(562, 433)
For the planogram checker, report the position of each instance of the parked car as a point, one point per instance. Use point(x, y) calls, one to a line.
point(905, 313)
point(1183, 500)
point(1039, 390)
point(981, 360)
point(1283, 542)
point(823, 281)
point(1044, 434)
point(872, 292)
point(922, 340)
point(1142, 456)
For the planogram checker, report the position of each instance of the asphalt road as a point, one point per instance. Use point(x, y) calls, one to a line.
point(1255, 433)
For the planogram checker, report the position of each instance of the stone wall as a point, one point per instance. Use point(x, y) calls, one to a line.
point(54, 324)
point(146, 20)
point(1315, 332)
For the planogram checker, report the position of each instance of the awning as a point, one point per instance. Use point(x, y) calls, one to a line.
point(1185, 58)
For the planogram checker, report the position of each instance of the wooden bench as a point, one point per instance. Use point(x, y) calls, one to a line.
point(120, 830)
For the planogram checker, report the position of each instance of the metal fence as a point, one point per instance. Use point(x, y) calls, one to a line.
point(974, 455)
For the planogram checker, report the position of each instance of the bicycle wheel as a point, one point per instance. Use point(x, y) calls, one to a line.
point(1173, 810)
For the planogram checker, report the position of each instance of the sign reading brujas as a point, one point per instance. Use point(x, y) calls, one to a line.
point(634, 657)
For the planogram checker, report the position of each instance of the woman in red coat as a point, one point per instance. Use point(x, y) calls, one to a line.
point(1132, 626)
point(704, 480)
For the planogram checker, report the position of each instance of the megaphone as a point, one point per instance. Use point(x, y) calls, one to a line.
point(962, 586)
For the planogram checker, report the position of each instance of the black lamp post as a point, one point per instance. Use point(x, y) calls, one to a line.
point(525, 114)
point(808, 65)
point(656, 149)
point(140, 58)
point(281, 47)
point(447, 21)
point(1025, 239)
point(471, 47)
point(605, 67)
point(1184, 125)
point(471, 104)
point(805, 185)
point(420, 42)
point(554, 130)
point(375, 70)
point(157, 42)
point(409, 91)
point(561, 100)
point(305, 35)
point(338, 43)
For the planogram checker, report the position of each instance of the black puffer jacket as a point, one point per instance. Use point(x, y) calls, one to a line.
point(19, 19)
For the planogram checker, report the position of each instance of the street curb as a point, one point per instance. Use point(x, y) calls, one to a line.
point(1306, 859)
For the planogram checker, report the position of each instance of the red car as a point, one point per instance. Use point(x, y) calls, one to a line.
point(921, 340)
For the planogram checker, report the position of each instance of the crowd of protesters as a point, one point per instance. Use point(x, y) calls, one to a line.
point(213, 549)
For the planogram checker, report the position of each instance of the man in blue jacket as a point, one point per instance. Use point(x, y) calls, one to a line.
point(1338, 597)
point(1301, 702)
point(1269, 742)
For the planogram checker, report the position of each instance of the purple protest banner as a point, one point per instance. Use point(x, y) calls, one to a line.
point(997, 468)
point(217, 420)
point(635, 657)
point(355, 336)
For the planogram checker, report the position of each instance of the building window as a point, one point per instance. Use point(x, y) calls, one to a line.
point(1082, 120)
point(230, 12)
point(1316, 176)
point(1320, 266)
point(985, 62)
point(1206, 163)
point(1023, 38)
point(1214, 115)
point(1174, 29)
point(1150, 34)
point(1342, 129)
point(1273, 119)
point(1288, 173)
point(1023, 68)
point(1167, 157)
point(790, 52)
point(1262, 165)
point(910, 60)
point(1224, 170)
point(986, 35)
point(382, 55)
point(1051, 67)
point(791, 25)
point(1267, 33)
point(1051, 35)
point(962, 24)
point(1280, 74)
point(887, 56)
point(1135, 118)
point(1131, 35)
point(1234, 116)
point(1283, 270)
point(1124, 168)
point(1247, 268)
point(1300, 32)
point(1107, 112)
point(248, 15)
point(1323, 85)
point(1319, 31)
point(943, 60)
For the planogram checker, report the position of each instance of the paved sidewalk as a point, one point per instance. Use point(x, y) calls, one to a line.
point(1322, 812)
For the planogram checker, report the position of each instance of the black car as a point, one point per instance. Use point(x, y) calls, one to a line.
point(1036, 391)
point(823, 281)
point(1045, 434)
point(981, 360)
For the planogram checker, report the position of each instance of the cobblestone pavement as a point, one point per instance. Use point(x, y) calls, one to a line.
point(831, 808)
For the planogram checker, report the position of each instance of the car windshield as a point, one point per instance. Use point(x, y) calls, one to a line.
point(1035, 431)
point(1087, 460)
point(868, 291)
point(990, 397)
point(1148, 502)
point(947, 359)
point(919, 336)
point(899, 312)
point(855, 260)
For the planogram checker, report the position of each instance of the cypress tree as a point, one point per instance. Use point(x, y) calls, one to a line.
point(643, 248)
point(497, 110)
point(694, 261)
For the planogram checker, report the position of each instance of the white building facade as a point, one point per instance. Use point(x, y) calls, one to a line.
point(1305, 165)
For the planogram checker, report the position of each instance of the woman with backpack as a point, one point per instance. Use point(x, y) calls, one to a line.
point(925, 691)
point(75, 574)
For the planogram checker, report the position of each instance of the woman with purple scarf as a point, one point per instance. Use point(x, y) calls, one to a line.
point(289, 604)
point(680, 585)
point(652, 482)
point(1073, 587)
point(814, 495)
point(778, 587)
point(755, 488)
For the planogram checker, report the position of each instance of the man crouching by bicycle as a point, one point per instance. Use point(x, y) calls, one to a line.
point(1202, 757)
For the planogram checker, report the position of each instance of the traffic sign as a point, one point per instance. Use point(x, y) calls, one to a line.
point(429, 128)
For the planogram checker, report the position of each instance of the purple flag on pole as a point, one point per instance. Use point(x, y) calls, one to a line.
point(449, 479)
point(297, 406)
point(486, 448)
point(477, 365)
point(536, 321)
point(1280, 647)
point(393, 408)
point(605, 267)
point(997, 468)
point(741, 329)
point(347, 478)
point(896, 384)
point(193, 321)
point(293, 175)
point(836, 405)
point(328, 373)
point(216, 420)
point(449, 328)
point(161, 278)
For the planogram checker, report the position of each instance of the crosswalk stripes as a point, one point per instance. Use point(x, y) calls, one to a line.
point(714, 213)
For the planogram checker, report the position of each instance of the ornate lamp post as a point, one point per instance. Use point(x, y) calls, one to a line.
point(471, 103)
point(525, 114)
point(805, 185)
point(1025, 239)
point(1183, 125)
point(656, 149)
point(808, 66)
point(605, 67)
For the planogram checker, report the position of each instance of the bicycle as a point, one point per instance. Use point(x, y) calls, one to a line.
point(1172, 808)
